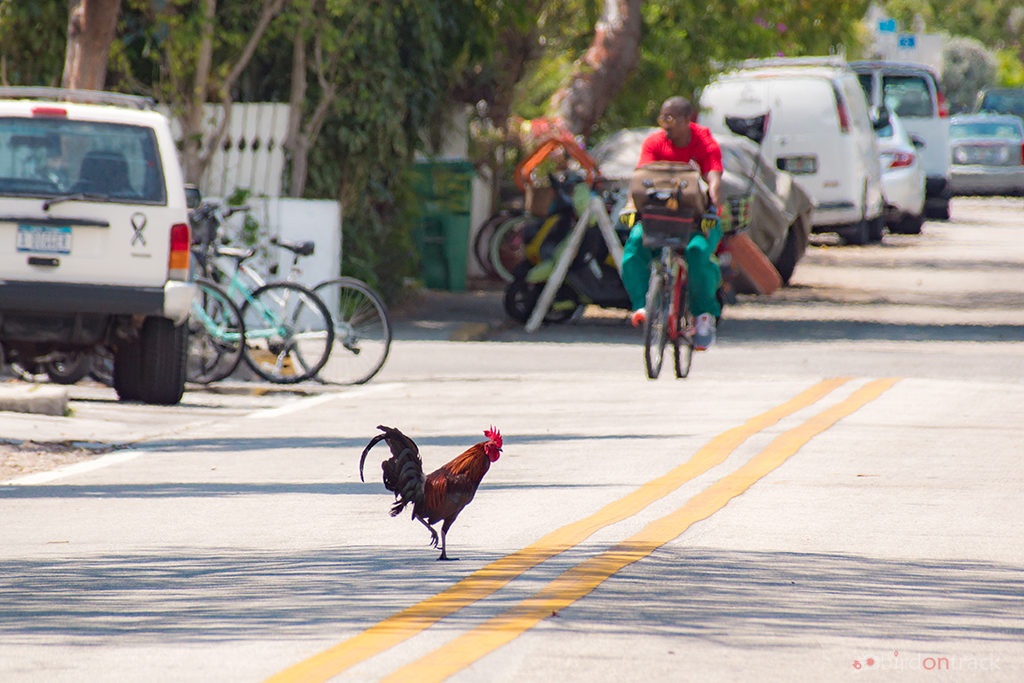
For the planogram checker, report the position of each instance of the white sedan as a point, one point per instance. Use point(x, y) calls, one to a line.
point(903, 177)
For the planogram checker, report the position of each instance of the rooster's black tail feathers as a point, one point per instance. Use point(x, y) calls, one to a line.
point(403, 471)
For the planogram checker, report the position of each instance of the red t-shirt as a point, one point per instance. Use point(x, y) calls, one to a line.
point(702, 148)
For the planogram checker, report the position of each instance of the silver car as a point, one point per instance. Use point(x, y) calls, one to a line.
point(987, 151)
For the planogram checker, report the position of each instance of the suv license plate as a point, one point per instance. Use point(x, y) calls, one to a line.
point(46, 240)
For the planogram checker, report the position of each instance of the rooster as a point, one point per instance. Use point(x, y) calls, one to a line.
point(440, 495)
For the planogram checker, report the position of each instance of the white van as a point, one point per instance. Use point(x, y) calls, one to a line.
point(819, 129)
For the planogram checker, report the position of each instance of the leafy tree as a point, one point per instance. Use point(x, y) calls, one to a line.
point(29, 34)
point(967, 67)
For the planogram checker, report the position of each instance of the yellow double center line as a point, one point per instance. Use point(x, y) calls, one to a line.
point(582, 579)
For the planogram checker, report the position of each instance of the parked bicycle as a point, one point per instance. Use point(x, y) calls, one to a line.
point(360, 325)
point(286, 330)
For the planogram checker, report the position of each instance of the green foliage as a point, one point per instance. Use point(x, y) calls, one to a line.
point(1009, 70)
point(967, 68)
point(401, 59)
point(33, 36)
point(685, 42)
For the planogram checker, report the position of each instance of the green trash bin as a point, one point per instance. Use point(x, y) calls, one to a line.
point(445, 189)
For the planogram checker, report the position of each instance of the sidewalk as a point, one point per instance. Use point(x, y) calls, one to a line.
point(428, 315)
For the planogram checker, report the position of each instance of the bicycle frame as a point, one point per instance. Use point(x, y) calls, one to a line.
point(675, 266)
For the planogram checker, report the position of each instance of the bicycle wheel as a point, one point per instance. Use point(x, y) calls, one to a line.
point(216, 338)
point(656, 324)
point(682, 342)
point(506, 248)
point(288, 332)
point(362, 331)
point(483, 237)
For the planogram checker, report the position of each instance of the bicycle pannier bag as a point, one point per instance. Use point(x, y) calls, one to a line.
point(669, 197)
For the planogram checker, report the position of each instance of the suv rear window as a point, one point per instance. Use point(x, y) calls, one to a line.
point(47, 157)
point(908, 96)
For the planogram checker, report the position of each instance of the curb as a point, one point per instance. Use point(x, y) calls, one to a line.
point(37, 399)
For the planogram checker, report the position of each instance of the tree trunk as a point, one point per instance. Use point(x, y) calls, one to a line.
point(91, 28)
point(198, 150)
point(599, 76)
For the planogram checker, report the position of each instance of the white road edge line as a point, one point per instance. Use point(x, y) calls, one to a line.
point(126, 455)
point(77, 468)
point(310, 401)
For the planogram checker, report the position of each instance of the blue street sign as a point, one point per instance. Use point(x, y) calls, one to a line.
point(906, 41)
point(887, 26)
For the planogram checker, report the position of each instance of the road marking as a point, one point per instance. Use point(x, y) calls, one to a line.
point(307, 402)
point(69, 470)
point(580, 580)
point(485, 581)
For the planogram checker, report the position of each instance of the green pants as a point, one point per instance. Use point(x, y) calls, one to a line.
point(705, 275)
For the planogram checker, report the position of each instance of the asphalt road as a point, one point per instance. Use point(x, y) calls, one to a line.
point(833, 492)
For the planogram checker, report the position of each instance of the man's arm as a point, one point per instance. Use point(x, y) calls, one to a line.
point(715, 187)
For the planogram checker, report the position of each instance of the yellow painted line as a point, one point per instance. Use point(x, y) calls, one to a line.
point(580, 580)
point(485, 581)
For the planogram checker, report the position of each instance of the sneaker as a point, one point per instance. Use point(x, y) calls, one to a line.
point(704, 335)
point(638, 318)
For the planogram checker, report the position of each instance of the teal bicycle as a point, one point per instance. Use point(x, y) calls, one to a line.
point(282, 330)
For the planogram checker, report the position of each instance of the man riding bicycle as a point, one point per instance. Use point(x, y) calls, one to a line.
point(680, 140)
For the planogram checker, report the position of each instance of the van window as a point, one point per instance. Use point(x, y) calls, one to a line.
point(868, 83)
point(908, 96)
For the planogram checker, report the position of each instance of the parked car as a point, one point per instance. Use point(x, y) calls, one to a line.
point(819, 131)
point(988, 154)
point(93, 209)
point(914, 93)
point(1001, 101)
point(779, 208)
point(903, 178)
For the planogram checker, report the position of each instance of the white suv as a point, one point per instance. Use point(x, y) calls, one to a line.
point(913, 92)
point(93, 213)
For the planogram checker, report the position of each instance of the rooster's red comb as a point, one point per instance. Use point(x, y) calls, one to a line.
point(494, 435)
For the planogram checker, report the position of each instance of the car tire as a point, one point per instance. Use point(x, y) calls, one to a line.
point(856, 234)
point(152, 369)
point(164, 356)
point(876, 229)
point(938, 211)
point(786, 263)
point(909, 225)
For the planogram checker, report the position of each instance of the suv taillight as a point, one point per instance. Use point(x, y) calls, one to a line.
point(181, 242)
point(943, 105)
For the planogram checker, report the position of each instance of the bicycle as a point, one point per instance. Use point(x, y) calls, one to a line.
point(669, 317)
point(216, 335)
point(360, 322)
point(286, 331)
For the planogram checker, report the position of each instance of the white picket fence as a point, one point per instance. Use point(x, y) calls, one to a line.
point(252, 154)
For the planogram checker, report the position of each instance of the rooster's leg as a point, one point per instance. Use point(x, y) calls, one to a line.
point(433, 534)
point(444, 545)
